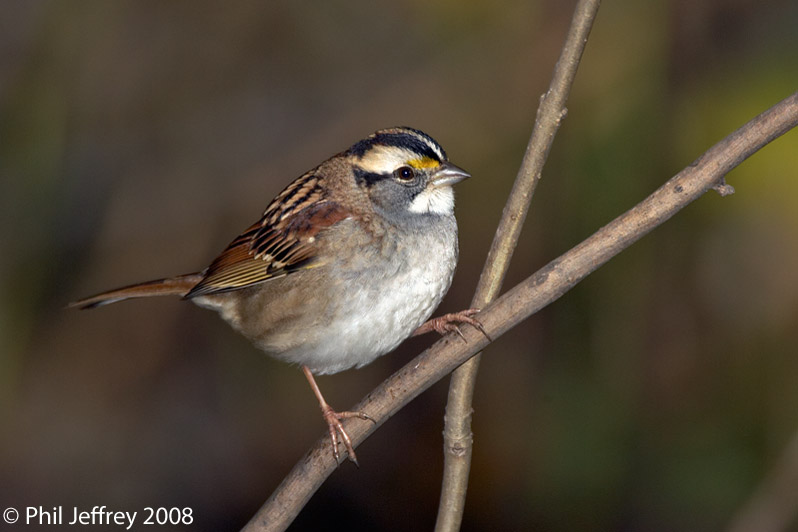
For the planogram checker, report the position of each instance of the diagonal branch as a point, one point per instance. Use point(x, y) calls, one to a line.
point(523, 300)
point(457, 436)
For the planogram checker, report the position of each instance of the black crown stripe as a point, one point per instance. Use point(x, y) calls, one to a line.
point(410, 140)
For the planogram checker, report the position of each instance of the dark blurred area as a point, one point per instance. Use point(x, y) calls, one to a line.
point(138, 138)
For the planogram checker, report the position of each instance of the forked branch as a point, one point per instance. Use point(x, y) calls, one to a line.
point(457, 437)
point(523, 300)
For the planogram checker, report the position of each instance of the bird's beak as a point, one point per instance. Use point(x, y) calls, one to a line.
point(448, 174)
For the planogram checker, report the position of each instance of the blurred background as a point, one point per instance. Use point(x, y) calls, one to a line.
point(138, 138)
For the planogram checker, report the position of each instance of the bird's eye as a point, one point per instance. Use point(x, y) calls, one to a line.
point(405, 173)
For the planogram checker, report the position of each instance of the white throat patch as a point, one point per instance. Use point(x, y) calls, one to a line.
point(434, 200)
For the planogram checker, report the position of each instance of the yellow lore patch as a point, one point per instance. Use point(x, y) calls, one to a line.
point(423, 162)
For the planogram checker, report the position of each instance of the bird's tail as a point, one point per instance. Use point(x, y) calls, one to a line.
point(171, 286)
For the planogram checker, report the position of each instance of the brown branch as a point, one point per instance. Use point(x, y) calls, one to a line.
point(457, 436)
point(526, 298)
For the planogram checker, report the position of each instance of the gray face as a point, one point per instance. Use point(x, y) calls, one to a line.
point(394, 194)
point(401, 173)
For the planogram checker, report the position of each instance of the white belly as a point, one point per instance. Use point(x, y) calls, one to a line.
point(364, 305)
point(372, 315)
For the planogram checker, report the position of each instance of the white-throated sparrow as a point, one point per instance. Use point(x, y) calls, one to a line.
point(346, 262)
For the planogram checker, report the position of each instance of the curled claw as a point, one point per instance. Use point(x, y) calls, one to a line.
point(474, 323)
point(334, 426)
point(449, 323)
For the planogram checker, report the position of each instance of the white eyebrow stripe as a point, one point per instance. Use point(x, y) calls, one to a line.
point(382, 159)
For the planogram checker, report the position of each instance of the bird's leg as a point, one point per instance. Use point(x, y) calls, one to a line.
point(449, 323)
point(333, 420)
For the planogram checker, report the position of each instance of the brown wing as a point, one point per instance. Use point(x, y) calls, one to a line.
point(283, 241)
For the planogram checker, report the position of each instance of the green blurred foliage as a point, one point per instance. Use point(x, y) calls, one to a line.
point(138, 138)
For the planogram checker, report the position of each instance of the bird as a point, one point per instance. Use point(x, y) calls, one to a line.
point(348, 261)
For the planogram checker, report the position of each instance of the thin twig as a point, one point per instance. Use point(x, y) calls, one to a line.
point(457, 437)
point(523, 300)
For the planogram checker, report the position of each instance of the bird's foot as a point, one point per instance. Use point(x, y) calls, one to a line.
point(450, 323)
point(333, 420)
